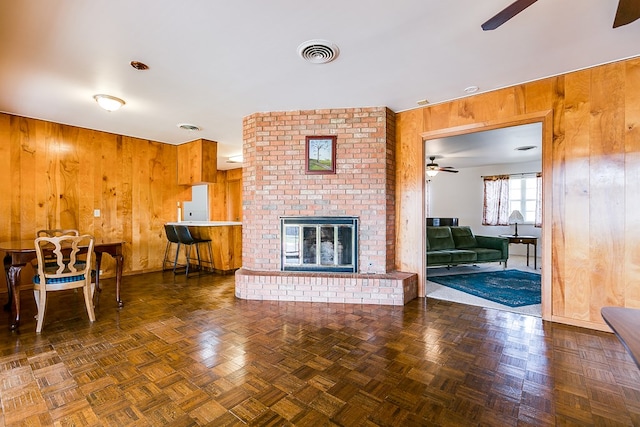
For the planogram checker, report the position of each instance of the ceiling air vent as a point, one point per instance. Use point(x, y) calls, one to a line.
point(189, 127)
point(318, 51)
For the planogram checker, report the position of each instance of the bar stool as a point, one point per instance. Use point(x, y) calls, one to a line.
point(172, 237)
point(186, 238)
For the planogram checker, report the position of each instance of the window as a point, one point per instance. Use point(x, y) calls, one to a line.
point(504, 194)
point(523, 195)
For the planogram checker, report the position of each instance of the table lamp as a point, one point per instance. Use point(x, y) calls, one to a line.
point(516, 218)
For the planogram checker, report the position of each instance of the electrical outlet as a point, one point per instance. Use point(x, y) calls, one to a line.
point(96, 213)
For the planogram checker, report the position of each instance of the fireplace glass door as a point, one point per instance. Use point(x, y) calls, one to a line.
point(313, 244)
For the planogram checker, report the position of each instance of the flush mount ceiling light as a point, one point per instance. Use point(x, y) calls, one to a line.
point(188, 127)
point(422, 102)
point(235, 159)
point(318, 51)
point(471, 89)
point(108, 102)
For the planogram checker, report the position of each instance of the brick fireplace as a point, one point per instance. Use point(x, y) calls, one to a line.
point(275, 185)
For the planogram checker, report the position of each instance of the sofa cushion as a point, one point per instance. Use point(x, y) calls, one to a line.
point(463, 237)
point(462, 255)
point(440, 238)
point(438, 257)
point(485, 254)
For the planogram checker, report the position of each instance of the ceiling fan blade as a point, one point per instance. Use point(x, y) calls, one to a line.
point(448, 170)
point(507, 13)
point(628, 11)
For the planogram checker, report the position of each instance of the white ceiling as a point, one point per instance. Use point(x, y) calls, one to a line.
point(492, 147)
point(213, 62)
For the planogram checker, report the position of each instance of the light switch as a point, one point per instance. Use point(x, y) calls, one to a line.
point(96, 213)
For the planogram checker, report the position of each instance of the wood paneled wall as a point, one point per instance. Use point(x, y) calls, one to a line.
point(591, 167)
point(55, 176)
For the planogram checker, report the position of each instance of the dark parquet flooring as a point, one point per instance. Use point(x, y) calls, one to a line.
point(188, 353)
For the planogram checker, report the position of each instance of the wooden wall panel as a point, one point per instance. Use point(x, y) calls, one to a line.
point(55, 176)
point(632, 184)
point(217, 197)
point(591, 254)
point(606, 182)
point(410, 179)
point(574, 175)
point(6, 194)
point(233, 195)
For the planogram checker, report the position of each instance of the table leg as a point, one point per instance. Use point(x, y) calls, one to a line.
point(7, 266)
point(535, 256)
point(119, 261)
point(98, 289)
point(12, 273)
point(527, 255)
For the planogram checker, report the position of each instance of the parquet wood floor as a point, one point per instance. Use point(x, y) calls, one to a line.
point(187, 353)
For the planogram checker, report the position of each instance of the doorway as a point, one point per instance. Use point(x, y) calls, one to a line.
point(487, 149)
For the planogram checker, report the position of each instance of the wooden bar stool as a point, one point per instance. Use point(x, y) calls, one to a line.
point(186, 238)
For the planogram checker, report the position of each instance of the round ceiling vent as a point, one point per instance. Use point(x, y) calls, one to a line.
point(318, 51)
point(189, 127)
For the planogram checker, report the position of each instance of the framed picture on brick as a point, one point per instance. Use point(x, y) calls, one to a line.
point(320, 154)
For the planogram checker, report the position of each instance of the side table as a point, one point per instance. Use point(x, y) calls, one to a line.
point(525, 240)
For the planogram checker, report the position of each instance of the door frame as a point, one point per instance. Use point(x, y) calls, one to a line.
point(546, 119)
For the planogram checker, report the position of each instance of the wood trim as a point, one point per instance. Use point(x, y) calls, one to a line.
point(525, 119)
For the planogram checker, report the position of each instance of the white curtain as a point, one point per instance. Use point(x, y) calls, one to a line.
point(495, 209)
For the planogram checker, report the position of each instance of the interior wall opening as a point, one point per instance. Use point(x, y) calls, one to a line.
point(456, 191)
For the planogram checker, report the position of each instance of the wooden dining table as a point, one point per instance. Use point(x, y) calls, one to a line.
point(20, 252)
point(624, 323)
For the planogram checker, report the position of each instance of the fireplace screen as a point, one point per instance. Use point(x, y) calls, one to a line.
point(319, 244)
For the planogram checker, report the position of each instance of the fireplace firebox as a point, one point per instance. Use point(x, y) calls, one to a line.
point(319, 244)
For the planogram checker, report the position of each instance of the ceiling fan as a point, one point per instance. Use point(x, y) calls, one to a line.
point(432, 168)
point(628, 11)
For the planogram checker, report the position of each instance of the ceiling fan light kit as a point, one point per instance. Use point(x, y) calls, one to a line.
point(432, 168)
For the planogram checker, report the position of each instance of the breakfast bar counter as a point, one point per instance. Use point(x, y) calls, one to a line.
point(226, 242)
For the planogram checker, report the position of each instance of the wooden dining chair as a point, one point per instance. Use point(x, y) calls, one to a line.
point(55, 232)
point(64, 262)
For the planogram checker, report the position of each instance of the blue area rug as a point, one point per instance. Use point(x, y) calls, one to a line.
point(508, 287)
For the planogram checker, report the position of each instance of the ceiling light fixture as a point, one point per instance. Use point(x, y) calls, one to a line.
point(471, 89)
point(431, 171)
point(235, 159)
point(108, 102)
point(422, 102)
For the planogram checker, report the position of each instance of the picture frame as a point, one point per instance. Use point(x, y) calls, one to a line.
point(320, 154)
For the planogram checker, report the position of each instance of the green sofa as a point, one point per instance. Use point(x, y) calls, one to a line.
point(448, 246)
